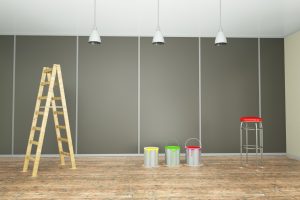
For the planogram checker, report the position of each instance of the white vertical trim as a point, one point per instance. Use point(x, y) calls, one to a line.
point(13, 98)
point(199, 78)
point(76, 112)
point(139, 95)
point(259, 79)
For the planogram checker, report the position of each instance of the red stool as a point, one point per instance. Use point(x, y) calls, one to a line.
point(251, 125)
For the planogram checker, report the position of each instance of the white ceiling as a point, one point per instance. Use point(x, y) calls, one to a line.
point(189, 18)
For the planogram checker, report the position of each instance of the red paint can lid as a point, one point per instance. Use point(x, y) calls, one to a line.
point(193, 147)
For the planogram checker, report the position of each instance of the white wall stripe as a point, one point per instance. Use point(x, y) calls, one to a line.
point(199, 78)
point(139, 94)
point(259, 79)
point(13, 98)
point(76, 112)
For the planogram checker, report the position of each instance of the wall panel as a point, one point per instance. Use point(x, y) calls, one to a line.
point(32, 54)
point(229, 79)
point(6, 90)
point(108, 96)
point(273, 94)
point(169, 91)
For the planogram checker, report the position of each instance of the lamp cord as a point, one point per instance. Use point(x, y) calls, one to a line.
point(158, 14)
point(95, 14)
point(220, 14)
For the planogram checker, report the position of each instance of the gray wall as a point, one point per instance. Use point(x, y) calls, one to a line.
point(108, 96)
point(108, 91)
point(32, 54)
point(273, 94)
point(6, 89)
point(229, 85)
point(169, 92)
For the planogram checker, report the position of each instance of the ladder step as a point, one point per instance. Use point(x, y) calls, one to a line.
point(60, 127)
point(56, 98)
point(47, 83)
point(42, 97)
point(63, 139)
point(39, 113)
point(34, 142)
point(51, 107)
point(36, 128)
point(58, 112)
point(47, 70)
point(65, 153)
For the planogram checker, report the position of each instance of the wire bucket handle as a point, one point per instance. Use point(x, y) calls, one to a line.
point(176, 142)
point(190, 139)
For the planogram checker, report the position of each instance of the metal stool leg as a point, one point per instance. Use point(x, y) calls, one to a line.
point(241, 143)
point(261, 143)
point(256, 144)
point(246, 143)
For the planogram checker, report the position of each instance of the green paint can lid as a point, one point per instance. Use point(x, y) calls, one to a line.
point(172, 147)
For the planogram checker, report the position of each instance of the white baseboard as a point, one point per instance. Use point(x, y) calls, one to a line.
point(293, 156)
point(161, 154)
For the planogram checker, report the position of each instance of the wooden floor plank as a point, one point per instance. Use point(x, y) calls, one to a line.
point(221, 178)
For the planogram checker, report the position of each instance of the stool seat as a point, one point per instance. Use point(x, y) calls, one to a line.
point(251, 119)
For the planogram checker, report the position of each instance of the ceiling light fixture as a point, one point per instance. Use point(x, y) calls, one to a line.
point(94, 38)
point(158, 38)
point(220, 38)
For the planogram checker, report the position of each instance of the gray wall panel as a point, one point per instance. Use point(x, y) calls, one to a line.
point(6, 88)
point(108, 96)
point(169, 91)
point(229, 79)
point(273, 94)
point(32, 54)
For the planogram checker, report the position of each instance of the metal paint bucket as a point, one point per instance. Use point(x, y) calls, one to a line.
point(172, 156)
point(151, 156)
point(193, 153)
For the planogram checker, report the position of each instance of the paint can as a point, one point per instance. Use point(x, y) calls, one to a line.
point(172, 156)
point(193, 153)
point(151, 157)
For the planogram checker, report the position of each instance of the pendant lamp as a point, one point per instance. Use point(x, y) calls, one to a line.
point(158, 38)
point(94, 38)
point(220, 38)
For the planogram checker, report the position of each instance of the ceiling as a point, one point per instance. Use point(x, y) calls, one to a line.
point(179, 18)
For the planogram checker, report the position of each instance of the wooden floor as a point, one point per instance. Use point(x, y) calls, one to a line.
point(126, 178)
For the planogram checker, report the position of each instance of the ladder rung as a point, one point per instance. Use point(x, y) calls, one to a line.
point(42, 97)
point(51, 107)
point(36, 128)
point(34, 142)
point(58, 112)
point(39, 113)
point(47, 70)
point(60, 127)
point(63, 139)
point(56, 98)
point(45, 83)
point(65, 153)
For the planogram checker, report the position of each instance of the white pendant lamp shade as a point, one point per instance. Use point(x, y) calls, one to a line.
point(158, 38)
point(94, 38)
point(220, 38)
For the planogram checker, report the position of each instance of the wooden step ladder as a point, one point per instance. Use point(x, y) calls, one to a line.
point(48, 79)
